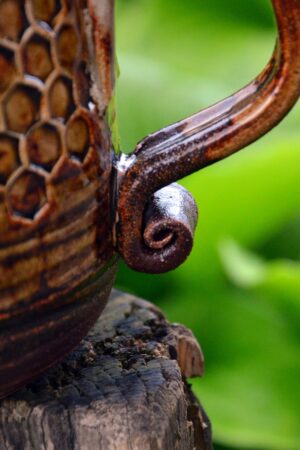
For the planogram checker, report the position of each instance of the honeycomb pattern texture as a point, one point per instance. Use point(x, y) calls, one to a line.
point(48, 129)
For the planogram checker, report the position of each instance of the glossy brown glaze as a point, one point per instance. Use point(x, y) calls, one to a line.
point(205, 138)
point(170, 220)
point(57, 260)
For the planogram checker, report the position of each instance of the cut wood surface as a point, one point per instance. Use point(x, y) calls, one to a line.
point(124, 388)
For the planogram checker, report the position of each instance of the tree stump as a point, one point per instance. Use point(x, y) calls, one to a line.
point(124, 388)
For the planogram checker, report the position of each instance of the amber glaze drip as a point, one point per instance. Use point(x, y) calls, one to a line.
point(205, 138)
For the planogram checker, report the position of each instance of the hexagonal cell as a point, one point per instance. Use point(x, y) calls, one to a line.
point(27, 194)
point(44, 146)
point(37, 57)
point(9, 157)
point(21, 107)
point(67, 46)
point(12, 19)
point(61, 101)
point(45, 10)
point(7, 68)
point(78, 137)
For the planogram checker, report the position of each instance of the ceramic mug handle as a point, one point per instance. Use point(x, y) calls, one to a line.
point(201, 140)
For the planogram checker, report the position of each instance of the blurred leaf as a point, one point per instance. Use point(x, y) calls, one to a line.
point(277, 280)
point(285, 243)
point(277, 286)
point(243, 267)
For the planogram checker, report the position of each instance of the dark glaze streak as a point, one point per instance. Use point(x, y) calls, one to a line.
point(107, 47)
point(10, 260)
point(207, 137)
point(47, 294)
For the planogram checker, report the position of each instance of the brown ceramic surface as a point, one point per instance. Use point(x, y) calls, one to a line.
point(55, 227)
point(67, 202)
point(55, 170)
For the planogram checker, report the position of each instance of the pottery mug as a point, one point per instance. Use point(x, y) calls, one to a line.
point(70, 203)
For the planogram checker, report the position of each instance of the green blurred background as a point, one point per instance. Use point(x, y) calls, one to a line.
point(240, 289)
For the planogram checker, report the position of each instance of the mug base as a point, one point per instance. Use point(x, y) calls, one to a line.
point(29, 347)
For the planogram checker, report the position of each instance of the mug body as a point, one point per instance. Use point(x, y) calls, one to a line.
point(57, 261)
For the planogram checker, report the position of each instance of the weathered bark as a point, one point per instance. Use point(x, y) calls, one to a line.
point(122, 389)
